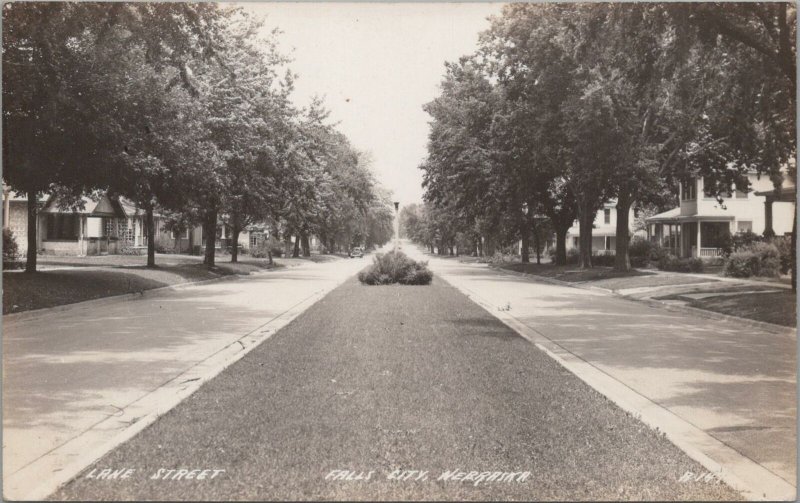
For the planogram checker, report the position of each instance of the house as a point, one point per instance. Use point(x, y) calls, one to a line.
point(699, 225)
point(103, 226)
point(604, 232)
point(15, 216)
point(109, 225)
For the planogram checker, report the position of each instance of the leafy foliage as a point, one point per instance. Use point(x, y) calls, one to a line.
point(395, 267)
point(755, 259)
point(10, 250)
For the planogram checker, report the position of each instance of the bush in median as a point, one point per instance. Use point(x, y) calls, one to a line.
point(395, 267)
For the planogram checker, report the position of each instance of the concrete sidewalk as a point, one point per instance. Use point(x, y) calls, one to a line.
point(736, 384)
point(75, 381)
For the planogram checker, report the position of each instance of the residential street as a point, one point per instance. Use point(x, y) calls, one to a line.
point(733, 382)
point(374, 379)
point(559, 264)
point(74, 380)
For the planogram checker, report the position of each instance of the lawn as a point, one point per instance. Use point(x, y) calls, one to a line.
point(605, 277)
point(772, 307)
point(571, 273)
point(48, 288)
point(66, 280)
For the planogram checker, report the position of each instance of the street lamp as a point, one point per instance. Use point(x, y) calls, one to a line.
point(396, 223)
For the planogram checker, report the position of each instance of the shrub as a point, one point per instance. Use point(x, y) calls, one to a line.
point(604, 259)
point(657, 253)
point(784, 246)
point(10, 250)
point(163, 248)
point(396, 267)
point(726, 243)
point(640, 247)
point(742, 240)
point(675, 264)
point(755, 259)
point(265, 247)
point(637, 261)
point(502, 258)
point(573, 255)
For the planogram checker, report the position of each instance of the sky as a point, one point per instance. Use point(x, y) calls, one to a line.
point(375, 65)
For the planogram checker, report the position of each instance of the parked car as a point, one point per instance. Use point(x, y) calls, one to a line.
point(356, 252)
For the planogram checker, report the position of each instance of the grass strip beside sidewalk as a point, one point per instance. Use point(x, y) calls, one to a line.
point(778, 308)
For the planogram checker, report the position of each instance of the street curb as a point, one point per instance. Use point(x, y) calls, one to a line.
point(67, 461)
point(46, 311)
point(741, 473)
point(763, 325)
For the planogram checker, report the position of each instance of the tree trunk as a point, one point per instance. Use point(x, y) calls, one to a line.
point(525, 233)
point(561, 244)
point(151, 236)
point(794, 254)
point(586, 221)
point(622, 261)
point(296, 251)
point(537, 245)
point(269, 256)
point(490, 246)
point(211, 238)
point(30, 262)
point(304, 243)
point(235, 231)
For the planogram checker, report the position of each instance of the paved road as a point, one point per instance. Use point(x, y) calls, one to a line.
point(736, 383)
point(378, 379)
point(75, 379)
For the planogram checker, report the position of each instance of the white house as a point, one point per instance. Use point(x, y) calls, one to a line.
point(604, 232)
point(696, 227)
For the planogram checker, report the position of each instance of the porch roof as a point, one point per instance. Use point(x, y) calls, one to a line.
point(786, 194)
point(674, 216)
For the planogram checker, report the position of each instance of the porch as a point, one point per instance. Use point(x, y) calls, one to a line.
point(690, 237)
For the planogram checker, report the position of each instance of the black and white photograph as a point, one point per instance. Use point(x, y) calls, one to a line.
point(399, 251)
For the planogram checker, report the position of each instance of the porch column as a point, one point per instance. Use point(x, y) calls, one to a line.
point(768, 216)
point(6, 209)
point(699, 226)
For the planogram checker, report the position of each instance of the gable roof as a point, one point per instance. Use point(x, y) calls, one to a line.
point(103, 207)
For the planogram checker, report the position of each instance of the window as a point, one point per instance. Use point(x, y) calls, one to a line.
point(61, 226)
point(688, 188)
point(744, 226)
point(606, 216)
point(708, 185)
point(256, 238)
